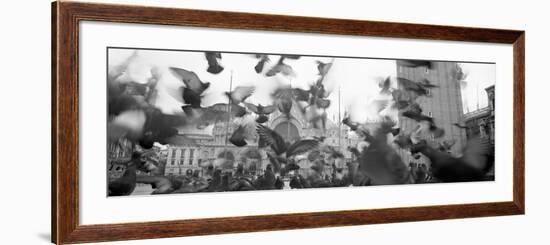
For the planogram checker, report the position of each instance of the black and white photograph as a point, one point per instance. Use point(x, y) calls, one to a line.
point(189, 121)
point(274, 122)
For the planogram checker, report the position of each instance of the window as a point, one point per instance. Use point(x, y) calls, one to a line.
point(182, 156)
point(191, 153)
point(173, 156)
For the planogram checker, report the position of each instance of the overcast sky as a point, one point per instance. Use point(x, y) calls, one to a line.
point(357, 79)
point(480, 76)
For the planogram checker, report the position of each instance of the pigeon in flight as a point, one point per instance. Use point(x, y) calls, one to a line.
point(214, 66)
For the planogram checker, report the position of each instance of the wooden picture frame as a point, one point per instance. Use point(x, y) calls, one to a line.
point(65, 121)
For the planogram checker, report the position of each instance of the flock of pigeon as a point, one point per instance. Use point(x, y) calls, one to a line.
point(134, 117)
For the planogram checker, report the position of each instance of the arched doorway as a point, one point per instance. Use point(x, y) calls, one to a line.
point(288, 131)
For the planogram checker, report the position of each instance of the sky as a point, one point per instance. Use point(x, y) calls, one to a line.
point(479, 77)
point(356, 79)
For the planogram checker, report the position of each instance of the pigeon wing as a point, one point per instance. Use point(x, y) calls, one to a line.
point(301, 94)
point(475, 153)
point(323, 103)
point(301, 146)
point(269, 109)
point(251, 107)
point(408, 84)
point(190, 79)
point(242, 92)
point(271, 138)
point(274, 162)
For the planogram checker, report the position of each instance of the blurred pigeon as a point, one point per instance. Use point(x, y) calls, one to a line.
point(261, 63)
point(261, 111)
point(279, 184)
point(471, 166)
point(283, 99)
point(385, 85)
point(427, 84)
point(353, 126)
point(282, 148)
point(417, 88)
point(240, 94)
point(282, 68)
point(190, 79)
point(461, 126)
point(194, 88)
point(213, 65)
point(267, 180)
point(323, 67)
point(238, 138)
point(415, 63)
point(380, 162)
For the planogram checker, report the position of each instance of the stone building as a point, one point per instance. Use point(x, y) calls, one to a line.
point(121, 152)
point(196, 149)
point(443, 103)
point(190, 151)
point(481, 122)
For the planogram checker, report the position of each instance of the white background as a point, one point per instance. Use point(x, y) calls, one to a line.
point(25, 57)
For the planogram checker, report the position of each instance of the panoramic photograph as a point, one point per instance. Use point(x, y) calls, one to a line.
point(189, 121)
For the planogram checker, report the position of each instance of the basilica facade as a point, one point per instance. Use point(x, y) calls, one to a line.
point(199, 150)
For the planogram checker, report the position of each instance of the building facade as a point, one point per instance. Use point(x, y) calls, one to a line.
point(481, 122)
point(197, 151)
point(121, 152)
point(443, 104)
